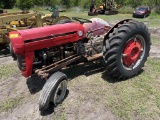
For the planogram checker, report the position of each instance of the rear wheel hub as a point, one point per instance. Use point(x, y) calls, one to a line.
point(132, 51)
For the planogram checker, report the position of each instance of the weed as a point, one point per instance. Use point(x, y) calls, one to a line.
point(7, 70)
point(10, 103)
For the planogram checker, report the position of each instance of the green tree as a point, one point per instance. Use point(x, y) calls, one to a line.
point(38, 2)
point(7, 3)
point(76, 2)
point(51, 2)
point(25, 4)
point(66, 3)
point(133, 3)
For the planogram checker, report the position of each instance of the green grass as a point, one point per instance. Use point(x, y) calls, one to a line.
point(7, 70)
point(60, 113)
point(152, 20)
point(137, 97)
point(155, 40)
point(9, 104)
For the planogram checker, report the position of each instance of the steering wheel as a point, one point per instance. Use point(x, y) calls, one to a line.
point(81, 20)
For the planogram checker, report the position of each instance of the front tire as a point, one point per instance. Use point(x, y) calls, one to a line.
point(53, 91)
point(12, 52)
point(129, 48)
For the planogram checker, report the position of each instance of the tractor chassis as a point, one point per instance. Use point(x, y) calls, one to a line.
point(46, 71)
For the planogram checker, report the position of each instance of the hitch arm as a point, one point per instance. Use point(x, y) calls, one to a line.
point(46, 71)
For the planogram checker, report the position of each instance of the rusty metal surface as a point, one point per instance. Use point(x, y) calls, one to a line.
point(5, 14)
point(12, 17)
point(94, 57)
point(45, 71)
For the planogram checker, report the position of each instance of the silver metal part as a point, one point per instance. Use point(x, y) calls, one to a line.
point(94, 45)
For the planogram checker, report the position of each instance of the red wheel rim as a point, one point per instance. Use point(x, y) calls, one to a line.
point(132, 52)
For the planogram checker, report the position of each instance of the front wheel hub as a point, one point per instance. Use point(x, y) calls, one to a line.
point(132, 51)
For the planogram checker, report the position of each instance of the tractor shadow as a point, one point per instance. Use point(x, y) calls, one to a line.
point(91, 68)
point(86, 69)
point(108, 78)
point(35, 83)
point(4, 51)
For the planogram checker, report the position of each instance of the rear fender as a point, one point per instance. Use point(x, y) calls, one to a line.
point(111, 30)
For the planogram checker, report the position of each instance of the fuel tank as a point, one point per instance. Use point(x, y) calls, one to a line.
point(95, 26)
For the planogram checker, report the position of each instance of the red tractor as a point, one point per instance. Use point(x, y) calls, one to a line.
point(44, 51)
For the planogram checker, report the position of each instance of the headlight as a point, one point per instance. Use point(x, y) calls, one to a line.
point(80, 33)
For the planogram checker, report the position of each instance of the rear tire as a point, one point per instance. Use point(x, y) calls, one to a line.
point(52, 92)
point(129, 48)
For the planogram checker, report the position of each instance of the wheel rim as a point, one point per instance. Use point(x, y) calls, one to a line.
point(60, 92)
point(133, 52)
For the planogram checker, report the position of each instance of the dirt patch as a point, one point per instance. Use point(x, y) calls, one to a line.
point(155, 31)
point(155, 52)
point(6, 60)
point(16, 86)
point(28, 92)
point(5, 55)
point(88, 110)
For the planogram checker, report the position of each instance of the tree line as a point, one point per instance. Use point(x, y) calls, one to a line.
point(72, 3)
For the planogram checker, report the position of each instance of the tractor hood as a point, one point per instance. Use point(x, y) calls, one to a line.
point(54, 30)
point(44, 37)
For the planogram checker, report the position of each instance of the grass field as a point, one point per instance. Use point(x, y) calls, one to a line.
point(137, 97)
point(152, 20)
point(92, 94)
